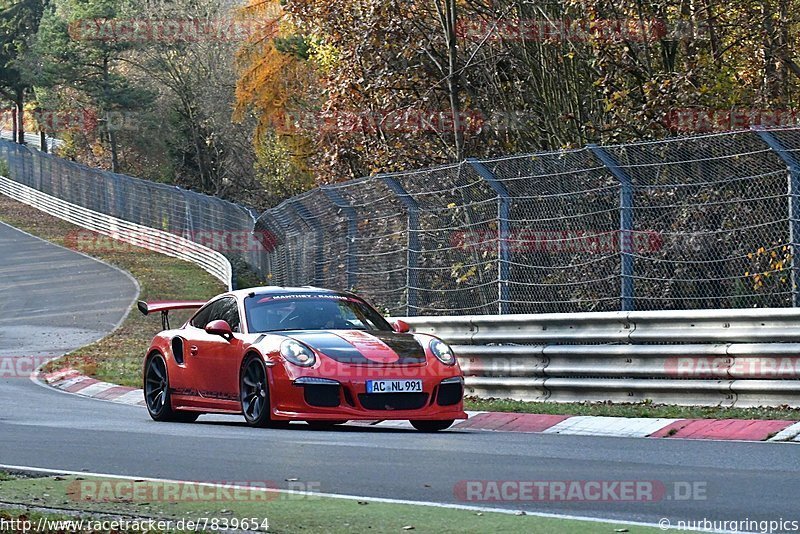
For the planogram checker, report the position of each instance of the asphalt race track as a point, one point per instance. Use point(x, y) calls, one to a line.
point(53, 300)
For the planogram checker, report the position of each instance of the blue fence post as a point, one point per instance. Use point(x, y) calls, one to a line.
point(625, 225)
point(503, 221)
point(307, 218)
point(793, 168)
point(412, 258)
point(352, 233)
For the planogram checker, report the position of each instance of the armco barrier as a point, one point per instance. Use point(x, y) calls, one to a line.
point(34, 140)
point(166, 243)
point(744, 358)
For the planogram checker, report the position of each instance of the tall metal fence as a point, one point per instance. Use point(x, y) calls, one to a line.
point(687, 223)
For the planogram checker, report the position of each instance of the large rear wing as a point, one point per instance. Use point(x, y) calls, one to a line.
point(165, 306)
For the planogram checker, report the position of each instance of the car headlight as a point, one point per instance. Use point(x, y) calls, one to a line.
point(443, 352)
point(297, 353)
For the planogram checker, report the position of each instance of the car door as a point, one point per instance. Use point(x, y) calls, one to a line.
point(213, 359)
point(185, 381)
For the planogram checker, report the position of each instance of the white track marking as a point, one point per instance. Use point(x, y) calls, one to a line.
point(484, 509)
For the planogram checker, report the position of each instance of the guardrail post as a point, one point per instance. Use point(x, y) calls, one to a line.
point(793, 171)
point(412, 258)
point(503, 221)
point(625, 225)
point(352, 233)
point(309, 221)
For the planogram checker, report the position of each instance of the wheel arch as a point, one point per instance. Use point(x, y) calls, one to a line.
point(151, 353)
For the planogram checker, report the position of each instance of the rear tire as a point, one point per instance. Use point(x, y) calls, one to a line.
point(432, 426)
point(254, 395)
point(156, 394)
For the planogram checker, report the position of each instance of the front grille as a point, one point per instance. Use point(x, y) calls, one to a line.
point(392, 401)
point(321, 395)
point(348, 397)
point(450, 394)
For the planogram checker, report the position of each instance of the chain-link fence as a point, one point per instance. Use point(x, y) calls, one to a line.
point(696, 222)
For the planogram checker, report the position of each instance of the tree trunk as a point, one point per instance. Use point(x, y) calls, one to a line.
point(110, 135)
point(42, 141)
point(14, 123)
point(112, 143)
point(453, 78)
point(19, 104)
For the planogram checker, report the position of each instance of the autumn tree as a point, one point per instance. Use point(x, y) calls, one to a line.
point(19, 20)
point(74, 54)
point(514, 76)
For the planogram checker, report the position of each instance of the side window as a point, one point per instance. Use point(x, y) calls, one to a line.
point(201, 318)
point(224, 309)
point(229, 312)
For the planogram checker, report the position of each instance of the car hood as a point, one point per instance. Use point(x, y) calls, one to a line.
point(358, 347)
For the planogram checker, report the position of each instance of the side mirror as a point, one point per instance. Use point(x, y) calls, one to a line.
point(401, 327)
point(220, 328)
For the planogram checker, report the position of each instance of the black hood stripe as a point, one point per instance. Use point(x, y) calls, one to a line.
point(407, 349)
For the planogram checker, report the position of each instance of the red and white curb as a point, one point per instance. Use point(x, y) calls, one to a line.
point(634, 427)
point(790, 433)
point(71, 381)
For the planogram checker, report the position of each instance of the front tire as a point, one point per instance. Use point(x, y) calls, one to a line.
point(432, 426)
point(254, 394)
point(156, 394)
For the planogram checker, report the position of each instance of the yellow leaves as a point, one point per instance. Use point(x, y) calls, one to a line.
point(452, 205)
point(268, 78)
point(769, 265)
point(325, 56)
point(461, 277)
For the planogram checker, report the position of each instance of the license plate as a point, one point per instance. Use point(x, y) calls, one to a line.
point(394, 386)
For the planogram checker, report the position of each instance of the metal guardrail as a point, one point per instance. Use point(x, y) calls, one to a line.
point(135, 234)
point(34, 140)
point(744, 358)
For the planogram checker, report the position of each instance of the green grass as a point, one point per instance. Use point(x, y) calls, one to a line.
point(118, 357)
point(284, 512)
point(643, 409)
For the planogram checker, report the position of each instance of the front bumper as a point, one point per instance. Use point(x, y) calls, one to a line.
point(337, 398)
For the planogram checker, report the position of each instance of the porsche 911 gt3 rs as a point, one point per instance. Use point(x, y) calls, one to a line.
point(277, 355)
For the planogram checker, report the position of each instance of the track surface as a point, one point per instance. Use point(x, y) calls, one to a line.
point(53, 300)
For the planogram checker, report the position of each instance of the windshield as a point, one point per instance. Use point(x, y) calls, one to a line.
point(273, 313)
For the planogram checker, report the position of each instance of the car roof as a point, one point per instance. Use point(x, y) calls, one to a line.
point(277, 290)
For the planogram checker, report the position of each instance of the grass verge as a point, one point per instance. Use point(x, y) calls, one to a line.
point(283, 512)
point(118, 357)
point(642, 409)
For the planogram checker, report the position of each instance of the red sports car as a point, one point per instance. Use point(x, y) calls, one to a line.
point(279, 354)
